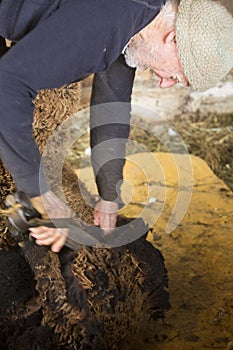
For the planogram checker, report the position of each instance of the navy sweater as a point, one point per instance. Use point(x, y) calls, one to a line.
point(58, 42)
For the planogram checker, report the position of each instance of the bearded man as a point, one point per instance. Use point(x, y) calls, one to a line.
point(61, 41)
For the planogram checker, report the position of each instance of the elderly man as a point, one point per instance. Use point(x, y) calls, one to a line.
point(60, 41)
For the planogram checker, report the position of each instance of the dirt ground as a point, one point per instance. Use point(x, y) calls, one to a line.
point(198, 253)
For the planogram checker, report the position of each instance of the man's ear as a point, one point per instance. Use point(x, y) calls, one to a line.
point(170, 37)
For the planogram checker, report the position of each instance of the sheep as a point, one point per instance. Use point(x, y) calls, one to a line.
point(92, 298)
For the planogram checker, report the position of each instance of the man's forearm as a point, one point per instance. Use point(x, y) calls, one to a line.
point(18, 149)
point(110, 124)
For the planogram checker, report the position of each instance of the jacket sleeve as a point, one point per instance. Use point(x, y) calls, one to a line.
point(110, 125)
point(59, 50)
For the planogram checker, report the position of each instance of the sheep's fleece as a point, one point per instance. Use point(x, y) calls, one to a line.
point(89, 299)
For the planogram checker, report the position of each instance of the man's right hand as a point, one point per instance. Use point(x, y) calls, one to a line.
point(50, 206)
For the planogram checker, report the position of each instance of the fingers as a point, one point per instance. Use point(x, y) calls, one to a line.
point(49, 205)
point(105, 215)
point(108, 223)
point(96, 218)
point(59, 243)
point(49, 236)
point(104, 220)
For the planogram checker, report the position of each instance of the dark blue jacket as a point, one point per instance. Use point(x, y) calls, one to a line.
point(58, 42)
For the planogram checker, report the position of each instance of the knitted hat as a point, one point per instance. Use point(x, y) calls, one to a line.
point(204, 33)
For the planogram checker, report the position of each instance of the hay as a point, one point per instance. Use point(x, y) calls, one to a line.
point(211, 138)
point(52, 108)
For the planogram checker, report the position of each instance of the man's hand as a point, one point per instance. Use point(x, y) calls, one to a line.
point(105, 215)
point(50, 206)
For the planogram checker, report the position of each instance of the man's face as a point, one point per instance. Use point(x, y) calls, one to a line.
point(161, 58)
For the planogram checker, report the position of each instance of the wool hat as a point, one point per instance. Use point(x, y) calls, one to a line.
point(204, 34)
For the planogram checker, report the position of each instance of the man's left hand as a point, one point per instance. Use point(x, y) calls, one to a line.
point(105, 215)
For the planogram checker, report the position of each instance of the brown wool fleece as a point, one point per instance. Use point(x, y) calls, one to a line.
point(93, 298)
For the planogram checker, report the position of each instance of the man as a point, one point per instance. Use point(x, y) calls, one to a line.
point(61, 41)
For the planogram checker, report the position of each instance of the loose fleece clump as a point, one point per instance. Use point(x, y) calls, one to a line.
point(89, 299)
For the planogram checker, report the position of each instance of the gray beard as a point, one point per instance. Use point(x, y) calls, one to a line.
point(132, 61)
